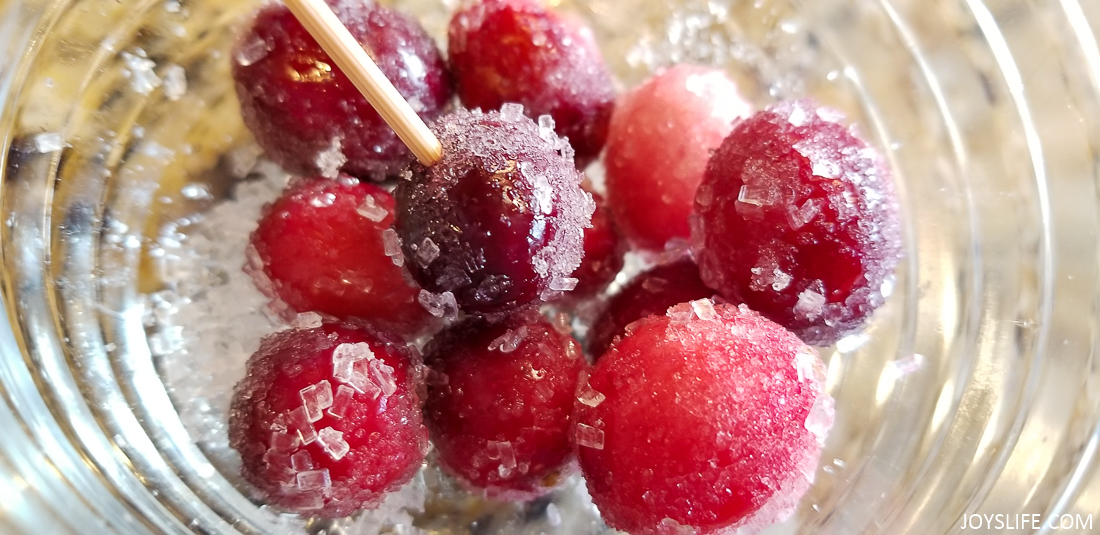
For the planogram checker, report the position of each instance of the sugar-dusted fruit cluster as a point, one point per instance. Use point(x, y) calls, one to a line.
point(692, 403)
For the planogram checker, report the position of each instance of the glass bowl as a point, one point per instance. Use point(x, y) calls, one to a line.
point(129, 179)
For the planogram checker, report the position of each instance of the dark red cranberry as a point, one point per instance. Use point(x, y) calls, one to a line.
point(650, 293)
point(519, 51)
point(499, 221)
point(603, 253)
point(661, 135)
point(322, 246)
point(798, 220)
point(499, 403)
point(328, 420)
point(703, 420)
point(306, 113)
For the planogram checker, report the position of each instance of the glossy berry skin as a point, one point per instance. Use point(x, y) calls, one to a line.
point(661, 135)
point(705, 419)
point(650, 293)
point(358, 436)
point(320, 247)
point(520, 51)
point(499, 221)
point(305, 112)
point(798, 219)
point(603, 253)
point(499, 402)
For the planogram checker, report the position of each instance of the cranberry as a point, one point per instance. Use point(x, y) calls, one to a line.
point(322, 247)
point(661, 134)
point(650, 293)
point(705, 419)
point(306, 113)
point(603, 253)
point(327, 419)
point(499, 406)
point(519, 51)
point(499, 221)
point(798, 220)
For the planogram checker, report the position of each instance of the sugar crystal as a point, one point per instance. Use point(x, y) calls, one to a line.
point(371, 210)
point(427, 252)
point(511, 112)
point(341, 401)
point(299, 421)
point(48, 142)
point(255, 49)
point(589, 437)
point(301, 461)
point(704, 308)
point(330, 160)
point(307, 320)
point(332, 441)
point(439, 305)
point(314, 480)
point(820, 418)
point(563, 284)
point(804, 365)
point(546, 127)
point(811, 301)
point(283, 441)
point(175, 82)
point(391, 243)
point(304, 501)
point(139, 70)
point(503, 452)
point(509, 341)
point(316, 398)
point(589, 396)
point(382, 375)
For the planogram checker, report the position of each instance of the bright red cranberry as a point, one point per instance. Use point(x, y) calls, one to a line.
point(306, 113)
point(798, 220)
point(323, 246)
point(499, 221)
point(661, 135)
point(519, 51)
point(705, 419)
point(327, 419)
point(650, 293)
point(499, 403)
point(603, 253)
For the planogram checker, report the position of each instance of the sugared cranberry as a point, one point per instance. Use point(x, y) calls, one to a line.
point(661, 135)
point(519, 51)
point(603, 253)
point(327, 419)
point(704, 419)
point(499, 403)
point(499, 221)
point(306, 113)
point(652, 292)
point(798, 220)
point(323, 246)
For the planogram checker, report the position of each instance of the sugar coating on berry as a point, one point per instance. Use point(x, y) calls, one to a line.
point(328, 419)
point(651, 292)
point(305, 112)
point(708, 418)
point(661, 135)
point(798, 219)
point(603, 253)
point(519, 51)
point(321, 247)
point(499, 404)
point(503, 213)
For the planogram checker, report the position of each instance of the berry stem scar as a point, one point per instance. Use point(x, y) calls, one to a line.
point(334, 38)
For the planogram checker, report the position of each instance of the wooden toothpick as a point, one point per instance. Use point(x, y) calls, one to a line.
point(337, 41)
